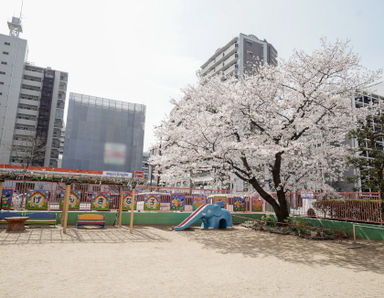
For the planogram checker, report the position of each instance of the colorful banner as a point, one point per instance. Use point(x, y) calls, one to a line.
point(152, 202)
point(220, 199)
point(177, 202)
point(37, 200)
point(127, 199)
point(238, 204)
point(100, 201)
point(198, 200)
point(257, 205)
point(74, 200)
point(6, 198)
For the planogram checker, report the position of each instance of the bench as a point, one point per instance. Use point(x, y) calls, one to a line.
point(90, 219)
point(41, 218)
point(3, 215)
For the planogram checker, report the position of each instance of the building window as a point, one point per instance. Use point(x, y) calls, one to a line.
point(1, 83)
point(4, 63)
point(2, 72)
point(5, 53)
point(7, 43)
point(249, 43)
point(1, 93)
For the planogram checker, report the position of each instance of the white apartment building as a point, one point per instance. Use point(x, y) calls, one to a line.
point(32, 101)
point(239, 56)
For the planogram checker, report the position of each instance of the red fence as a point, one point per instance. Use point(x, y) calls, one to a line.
point(349, 206)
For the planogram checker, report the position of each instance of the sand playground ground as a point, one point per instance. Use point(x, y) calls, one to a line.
point(158, 262)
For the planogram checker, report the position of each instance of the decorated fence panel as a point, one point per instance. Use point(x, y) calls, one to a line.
point(42, 195)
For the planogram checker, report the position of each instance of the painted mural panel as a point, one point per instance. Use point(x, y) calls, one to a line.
point(127, 199)
point(37, 200)
point(257, 205)
point(199, 200)
point(223, 199)
point(152, 202)
point(177, 202)
point(238, 204)
point(74, 200)
point(6, 198)
point(100, 201)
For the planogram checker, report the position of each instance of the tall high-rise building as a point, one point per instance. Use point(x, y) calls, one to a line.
point(239, 56)
point(32, 101)
point(103, 134)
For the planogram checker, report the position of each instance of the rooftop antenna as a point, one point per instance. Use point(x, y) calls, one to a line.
point(14, 26)
point(21, 9)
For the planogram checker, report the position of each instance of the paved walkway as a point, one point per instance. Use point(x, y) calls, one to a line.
point(46, 235)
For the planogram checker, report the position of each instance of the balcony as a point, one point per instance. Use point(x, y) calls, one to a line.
point(33, 73)
point(29, 102)
point(26, 122)
point(28, 112)
point(22, 132)
point(31, 92)
point(22, 143)
point(32, 83)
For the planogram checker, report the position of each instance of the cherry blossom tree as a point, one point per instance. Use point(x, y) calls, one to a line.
point(285, 124)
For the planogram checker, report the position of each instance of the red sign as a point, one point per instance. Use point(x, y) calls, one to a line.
point(139, 174)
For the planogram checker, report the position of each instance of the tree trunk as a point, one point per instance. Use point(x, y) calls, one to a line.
point(280, 207)
point(283, 213)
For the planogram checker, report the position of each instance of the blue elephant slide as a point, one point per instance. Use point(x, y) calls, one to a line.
point(212, 215)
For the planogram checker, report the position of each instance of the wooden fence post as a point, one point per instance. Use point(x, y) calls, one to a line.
point(64, 214)
point(132, 207)
point(121, 204)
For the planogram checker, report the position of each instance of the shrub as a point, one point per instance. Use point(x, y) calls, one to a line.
point(299, 225)
point(269, 221)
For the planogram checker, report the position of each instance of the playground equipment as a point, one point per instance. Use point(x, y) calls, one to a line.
point(212, 215)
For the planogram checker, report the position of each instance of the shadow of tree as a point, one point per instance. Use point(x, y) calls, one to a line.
point(292, 249)
point(87, 235)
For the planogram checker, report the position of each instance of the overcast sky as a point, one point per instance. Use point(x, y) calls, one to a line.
point(146, 51)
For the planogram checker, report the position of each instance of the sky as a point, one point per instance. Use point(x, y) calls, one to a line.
point(148, 51)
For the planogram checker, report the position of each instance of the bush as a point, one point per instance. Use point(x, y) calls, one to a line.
point(269, 220)
point(299, 225)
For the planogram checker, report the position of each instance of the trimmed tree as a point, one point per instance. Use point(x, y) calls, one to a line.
point(281, 129)
point(368, 137)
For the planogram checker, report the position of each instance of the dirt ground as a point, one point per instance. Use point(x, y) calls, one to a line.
point(157, 262)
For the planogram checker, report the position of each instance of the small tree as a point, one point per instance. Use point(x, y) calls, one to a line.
point(32, 152)
point(368, 137)
point(284, 125)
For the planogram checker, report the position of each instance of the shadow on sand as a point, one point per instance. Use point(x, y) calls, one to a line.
point(86, 235)
point(292, 249)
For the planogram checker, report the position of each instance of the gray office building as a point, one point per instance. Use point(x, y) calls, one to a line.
point(103, 134)
point(32, 101)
